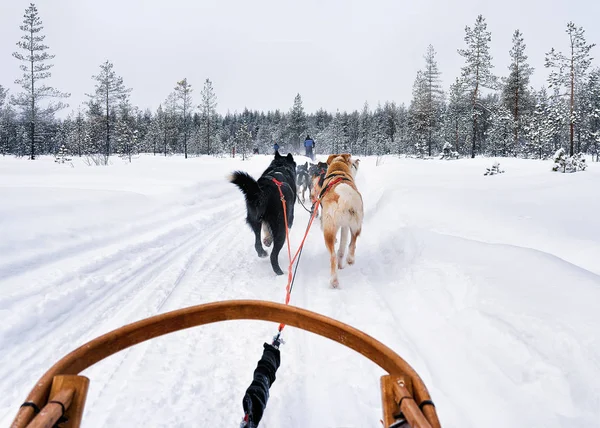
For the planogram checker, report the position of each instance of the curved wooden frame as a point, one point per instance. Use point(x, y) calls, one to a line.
point(140, 331)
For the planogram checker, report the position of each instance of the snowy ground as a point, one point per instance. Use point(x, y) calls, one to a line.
point(488, 286)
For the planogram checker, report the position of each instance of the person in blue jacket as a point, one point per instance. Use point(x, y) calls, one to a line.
point(308, 146)
point(275, 147)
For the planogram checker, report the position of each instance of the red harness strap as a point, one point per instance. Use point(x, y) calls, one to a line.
point(287, 236)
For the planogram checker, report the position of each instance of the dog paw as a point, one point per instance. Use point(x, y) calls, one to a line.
point(262, 254)
point(267, 242)
point(277, 271)
point(350, 260)
point(334, 283)
point(341, 263)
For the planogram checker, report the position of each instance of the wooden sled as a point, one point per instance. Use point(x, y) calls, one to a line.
point(404, 395)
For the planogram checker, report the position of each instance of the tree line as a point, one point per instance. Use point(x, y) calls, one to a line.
point(481, 113)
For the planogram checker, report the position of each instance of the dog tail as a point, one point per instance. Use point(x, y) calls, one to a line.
point(247, 185)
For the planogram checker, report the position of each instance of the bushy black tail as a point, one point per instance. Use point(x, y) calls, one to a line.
point(248, 186)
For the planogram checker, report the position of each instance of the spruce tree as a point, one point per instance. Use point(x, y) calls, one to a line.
point(109, 92)
point(208, 114)
point(183, 105)
point(515, 92)
point(569, 71)
point(35, 69)
point(477, 71)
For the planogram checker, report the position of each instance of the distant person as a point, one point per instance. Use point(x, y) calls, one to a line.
point(275, 147)
point(308, 146)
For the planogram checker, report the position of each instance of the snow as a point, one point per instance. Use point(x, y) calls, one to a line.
point(487, 286)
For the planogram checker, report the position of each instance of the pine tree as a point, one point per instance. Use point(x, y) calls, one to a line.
point(569, 72)
point(515, 93)
point(593, 116)
point(3, 123)
point(500, 139)
point(378, 132)
point(183, 105)
point(539, 130)
point(364, 130)
point(456, 117)
point(208, 111)
point(477, 71)
point(434, 96)
point(126, 132)
point(297, 124)
point(243, 140)
point(109, 92)
point(35, 70)
point(76, 133)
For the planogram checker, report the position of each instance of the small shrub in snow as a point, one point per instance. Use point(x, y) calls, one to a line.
point(447, 152)
point(495, 169)
point(62, 155)
point(564, 163)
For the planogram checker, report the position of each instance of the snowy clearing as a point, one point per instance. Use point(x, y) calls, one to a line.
point(488, 286)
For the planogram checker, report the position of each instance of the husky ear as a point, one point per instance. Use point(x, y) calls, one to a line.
point(290, 157)
point(277, 155)
point(306, 164)
point(331, 158)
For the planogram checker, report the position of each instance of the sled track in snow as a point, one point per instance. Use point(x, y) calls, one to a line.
point(135, 281)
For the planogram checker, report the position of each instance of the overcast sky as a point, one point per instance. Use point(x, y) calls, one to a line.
point(336, 53)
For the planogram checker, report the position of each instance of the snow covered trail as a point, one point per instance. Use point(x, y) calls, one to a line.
point(455, 271)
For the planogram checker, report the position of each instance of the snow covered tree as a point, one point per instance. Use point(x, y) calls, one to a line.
point(428, 98)
point(457, 117)
point(500, 137)
point(109, 92)
point(593, 113)
point(126, 132)
point(76, 133)
point(515, 94)
point(297, 124)
point(243, 140)
point(35, 70)
point(569, 71)
point(418, 118)
point(477, 71)
point(208, 113)
point(183, 105)
point(364, 130)
point(495, 169)
point(378, 132)
point(62, 155)
point(564, 163)
point(4, 122)
point(540, 128)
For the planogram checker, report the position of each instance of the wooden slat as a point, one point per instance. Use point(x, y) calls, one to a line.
point(75, 411)
point(52, 412)
point(388, 400)
point(409, 408)
point(132, 334)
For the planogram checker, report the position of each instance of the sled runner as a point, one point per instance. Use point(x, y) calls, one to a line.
point(58, 398)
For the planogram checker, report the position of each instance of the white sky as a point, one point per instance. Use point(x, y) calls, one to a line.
point(259, 54)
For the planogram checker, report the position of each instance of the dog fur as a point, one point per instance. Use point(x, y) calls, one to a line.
point(317, 174)
point(303, 182)
point(342, 210)
point(263, 204)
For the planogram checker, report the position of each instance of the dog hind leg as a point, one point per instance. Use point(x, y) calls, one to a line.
point(342, 249)
point(255, 225)
point(268, 237)
point(278, 241)
point(354, 236)
point(329, 234)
